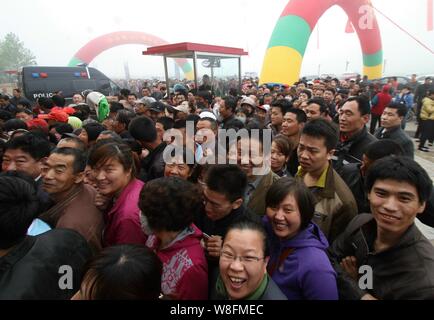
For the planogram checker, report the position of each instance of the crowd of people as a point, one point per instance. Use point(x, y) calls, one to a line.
point(89, 200)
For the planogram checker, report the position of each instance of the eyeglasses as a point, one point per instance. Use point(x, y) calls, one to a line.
point(229, 257)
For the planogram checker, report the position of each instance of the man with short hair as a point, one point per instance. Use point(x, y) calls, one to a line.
point(292, 125)
point(143, 130)
point(391, 121)
point(335, 206)
point(398, 259)
point(354, 173)
point(6, 105)
point(224, 205)
point(77, 98)
point(256, 166)
point(277, 111)
point(329, 98)
point(316, 109)
point(121, 122)
point(24, 114)
point(354, 136)
point(18, 98)
point(227, 111)
point(74, 202)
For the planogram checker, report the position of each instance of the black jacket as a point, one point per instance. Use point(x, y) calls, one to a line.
point(152, 167)
point(31, 269)
point(399, 136)
point(405, 271)
point(352, 150)
point(353, 178)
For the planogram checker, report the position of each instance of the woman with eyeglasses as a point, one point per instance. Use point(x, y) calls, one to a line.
point(243, 265)
point(298, 261)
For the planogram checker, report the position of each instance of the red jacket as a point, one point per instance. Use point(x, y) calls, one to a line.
point(185, 269)
point(381, 101)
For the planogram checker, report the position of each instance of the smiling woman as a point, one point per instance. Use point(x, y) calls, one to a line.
point(298, 261)
point(114, 172)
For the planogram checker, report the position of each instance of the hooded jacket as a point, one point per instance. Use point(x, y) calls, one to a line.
point(381, 101)
point(185, 269)
point(300, 266)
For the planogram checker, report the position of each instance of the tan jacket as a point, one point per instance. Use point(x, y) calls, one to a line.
point(427, 110)
point(335, 206)
point(257, 200)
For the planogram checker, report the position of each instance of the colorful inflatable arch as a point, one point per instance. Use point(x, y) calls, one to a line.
point(110, 40)
point(282, 62)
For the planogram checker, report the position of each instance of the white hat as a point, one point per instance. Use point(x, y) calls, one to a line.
point(183, 107)
point(207, 114)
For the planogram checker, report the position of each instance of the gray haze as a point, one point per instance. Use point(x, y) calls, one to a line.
point(54, 30)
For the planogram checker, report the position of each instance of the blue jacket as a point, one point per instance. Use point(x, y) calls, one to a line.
point(300, 266)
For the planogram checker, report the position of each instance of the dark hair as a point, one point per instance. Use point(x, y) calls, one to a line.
point(300, 114)
point(166, 122)
point(79, 144)
point(124, 272)
point(116, 106)
point(230, 103)
point(383, 148)
point(82, 111)
point(62, 128)
point(206, 95)
point(307, 92)
point(18, 207)
point(105, 150)
point(93, 129)
point(319, 101)
point(283, 104)
point(321, 128)
point(332, 90)
point(33, 144)
point(212, 121)
point(5, 115)
point(14, 124)
point(143, 129)
point(179, 124)
point(58, 100)
point(253, 226)
point(402, 169)
point(113, 135)
point(132, 94)
point(79, 162)
point(124, 117)
point(228, 179)
point(400, 108)
point(362, 104)
point(302, 195)
point(26, 111)
point(125, 92)
point(46, 103)
point(283, 144)
point(170, 204)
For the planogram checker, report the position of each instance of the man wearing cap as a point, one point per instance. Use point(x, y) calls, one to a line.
point(157, 110)
point(142, 106)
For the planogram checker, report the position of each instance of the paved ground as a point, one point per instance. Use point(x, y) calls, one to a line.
point(426, 160)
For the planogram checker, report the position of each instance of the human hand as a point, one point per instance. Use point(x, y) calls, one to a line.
point(214, 246)
point(102, 202)
point(349, 264)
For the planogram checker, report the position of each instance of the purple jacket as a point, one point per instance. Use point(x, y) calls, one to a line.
point(300, 266)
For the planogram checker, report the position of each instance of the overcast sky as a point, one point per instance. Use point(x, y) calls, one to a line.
point(54, 30)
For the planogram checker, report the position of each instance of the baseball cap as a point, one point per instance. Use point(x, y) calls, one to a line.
point(248, 101)
point(183, 107)
point(157, 106)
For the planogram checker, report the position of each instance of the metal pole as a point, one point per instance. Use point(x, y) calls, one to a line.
point(239, 75)
point(166, 74)
point(195, 70)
